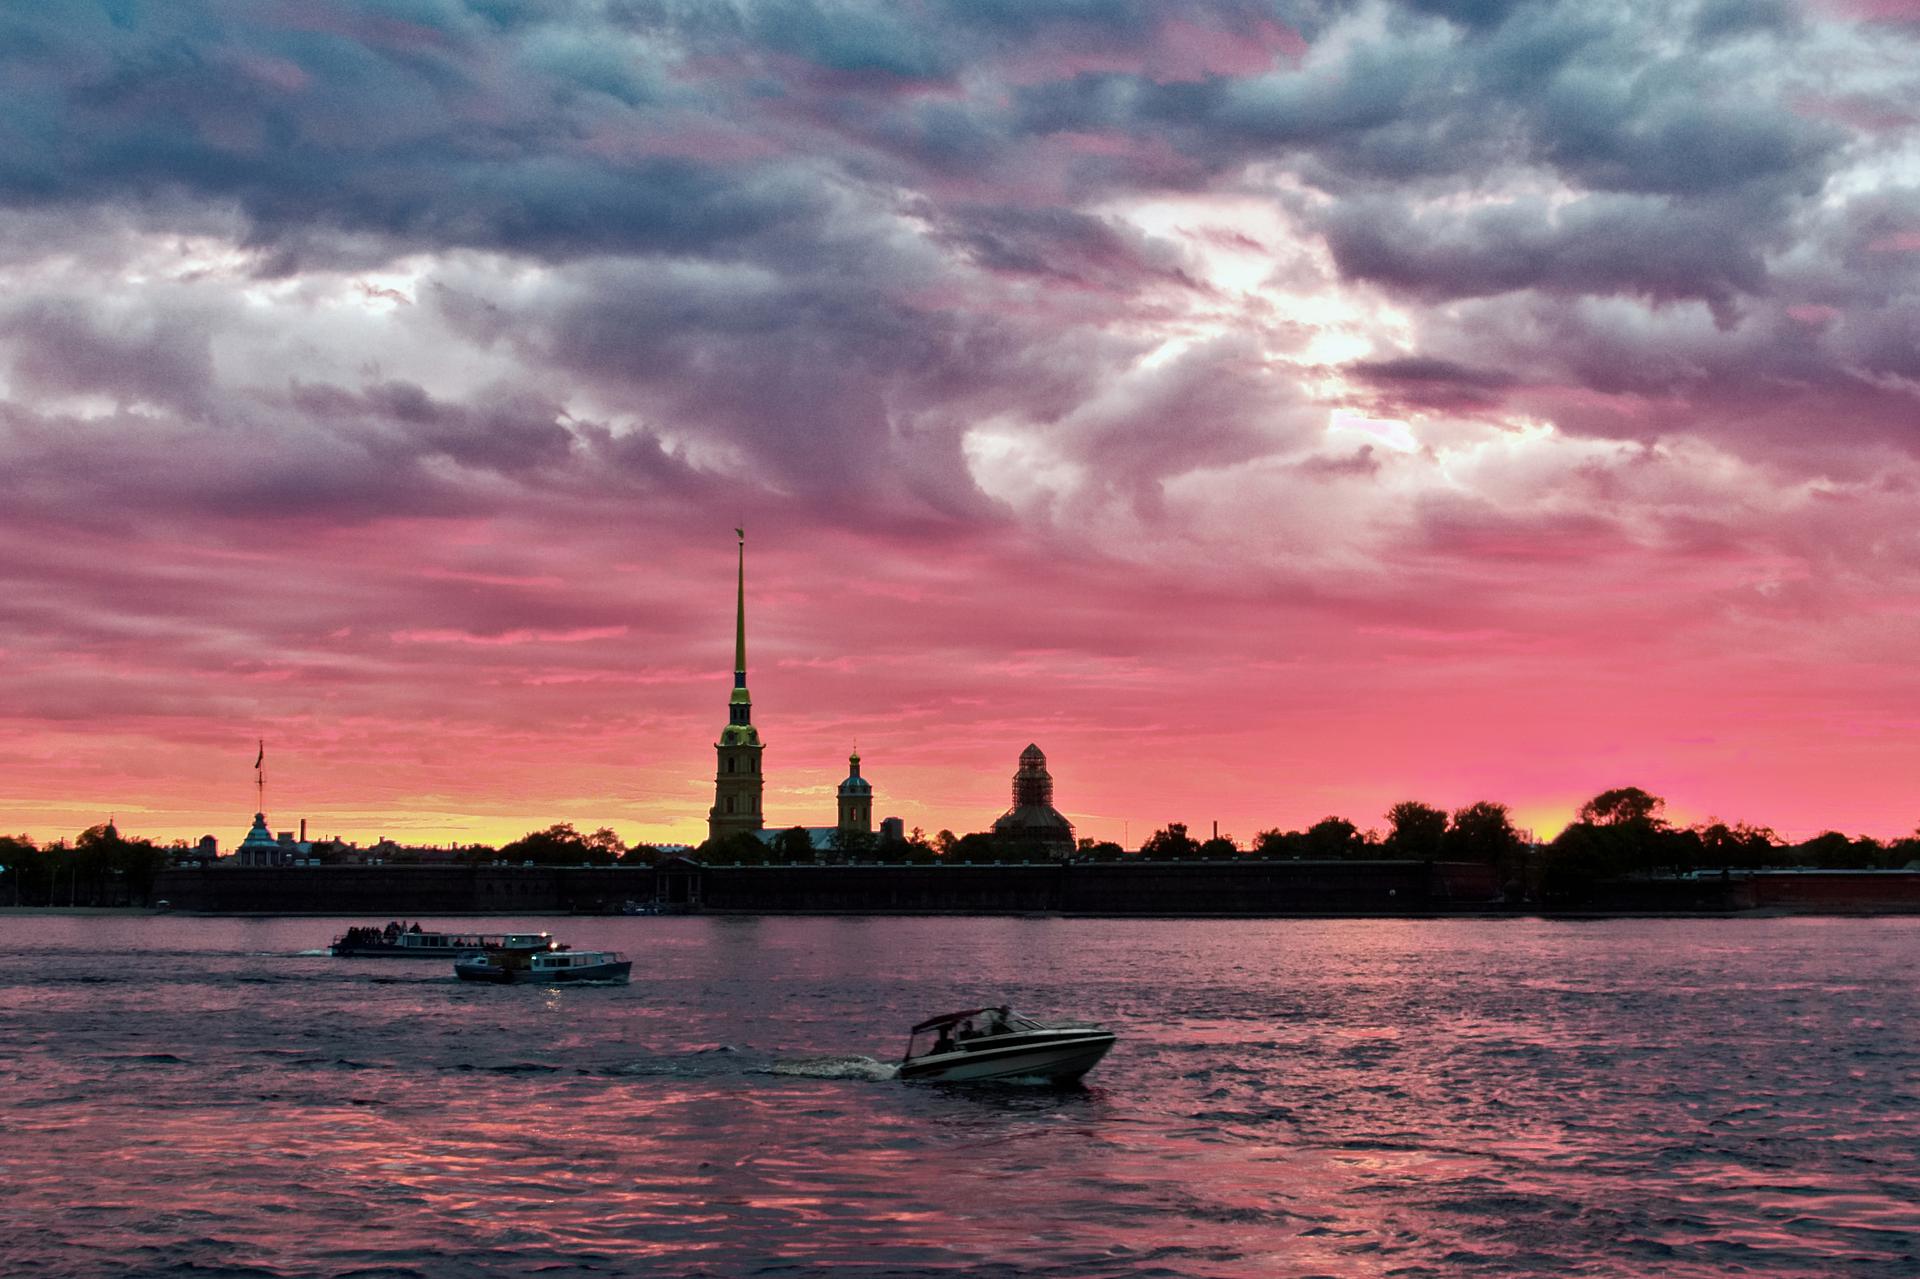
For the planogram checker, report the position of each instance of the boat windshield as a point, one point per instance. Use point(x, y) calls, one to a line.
point(948, 1032)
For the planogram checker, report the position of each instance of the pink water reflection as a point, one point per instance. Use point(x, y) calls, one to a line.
point(1299, 1098)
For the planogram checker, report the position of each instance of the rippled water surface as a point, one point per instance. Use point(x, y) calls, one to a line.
point(1352, 1098)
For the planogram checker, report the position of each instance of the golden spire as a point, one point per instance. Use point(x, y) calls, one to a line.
point(740, 617)
point(740, 702)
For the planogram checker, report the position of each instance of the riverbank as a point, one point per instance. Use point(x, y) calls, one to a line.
point(45, 912)
point(1176, 890)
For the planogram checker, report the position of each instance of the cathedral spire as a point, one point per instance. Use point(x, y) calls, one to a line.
point(740, 617)
point(740, 704)
point(738, 783)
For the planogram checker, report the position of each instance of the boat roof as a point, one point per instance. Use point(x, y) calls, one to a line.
point(948, 1019)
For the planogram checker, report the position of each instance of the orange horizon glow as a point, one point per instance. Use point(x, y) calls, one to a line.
point(1144, 724)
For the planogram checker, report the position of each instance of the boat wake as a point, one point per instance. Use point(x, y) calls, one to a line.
point(834, 1068)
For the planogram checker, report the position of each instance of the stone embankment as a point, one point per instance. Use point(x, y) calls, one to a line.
point(1244, 888)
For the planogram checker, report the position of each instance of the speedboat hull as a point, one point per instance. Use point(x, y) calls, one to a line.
point(1055, 1056)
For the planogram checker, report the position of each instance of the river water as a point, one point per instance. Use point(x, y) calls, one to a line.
point(199, 1097)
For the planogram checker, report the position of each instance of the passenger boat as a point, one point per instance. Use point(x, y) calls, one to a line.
point(980, 1044)
point(544, 967)
point(396, 941)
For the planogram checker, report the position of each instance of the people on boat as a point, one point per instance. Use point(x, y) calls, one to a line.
point(943, 1042)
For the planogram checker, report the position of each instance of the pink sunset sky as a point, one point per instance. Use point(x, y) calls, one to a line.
point(1273, 410)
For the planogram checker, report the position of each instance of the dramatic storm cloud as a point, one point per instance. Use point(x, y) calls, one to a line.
point(1272, 408)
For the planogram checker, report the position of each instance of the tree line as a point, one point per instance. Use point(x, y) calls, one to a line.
point(101, 867)
point(1620, 833)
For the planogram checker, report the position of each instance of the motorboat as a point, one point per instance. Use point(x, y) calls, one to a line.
point(544, 967)
point(979, 1044)
point(397, 941)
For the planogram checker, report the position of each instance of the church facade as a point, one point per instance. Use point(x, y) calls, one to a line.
point(738, 782)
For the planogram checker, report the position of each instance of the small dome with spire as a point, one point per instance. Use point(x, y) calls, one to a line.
point(855, 784)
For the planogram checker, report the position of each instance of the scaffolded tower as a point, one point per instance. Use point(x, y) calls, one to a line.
point(1033, 823)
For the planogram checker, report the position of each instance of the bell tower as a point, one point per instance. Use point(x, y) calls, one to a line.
point(856, 800)
point(738, 782)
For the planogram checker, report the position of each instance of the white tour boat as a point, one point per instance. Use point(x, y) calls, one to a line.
point(397, 941)
point(604, 966)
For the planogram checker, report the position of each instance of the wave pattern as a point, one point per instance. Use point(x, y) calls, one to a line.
point(1353, 1098)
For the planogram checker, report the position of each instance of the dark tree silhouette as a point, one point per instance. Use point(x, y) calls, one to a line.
point(1740, 847)
point(742, 848)
point(1333, 838)
point(560, 845)
point(1417, 831)
point(1831, 850)
point(605, 844)
point(854, 845)
point(1628, 805)
point(912, 851)
point(979, 846)
point(1171, 843)
point(1483, 832)
point(793, 845)
point(1277, 845)
point(18, 881)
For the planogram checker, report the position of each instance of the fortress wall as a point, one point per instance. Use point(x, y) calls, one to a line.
point(1098, 888)
point(1875, 892)
point(384, 891)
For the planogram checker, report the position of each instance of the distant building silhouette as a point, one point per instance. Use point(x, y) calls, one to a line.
point(738, 782)
point(856, 800)
point(260, 848)
point(1033, 821)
